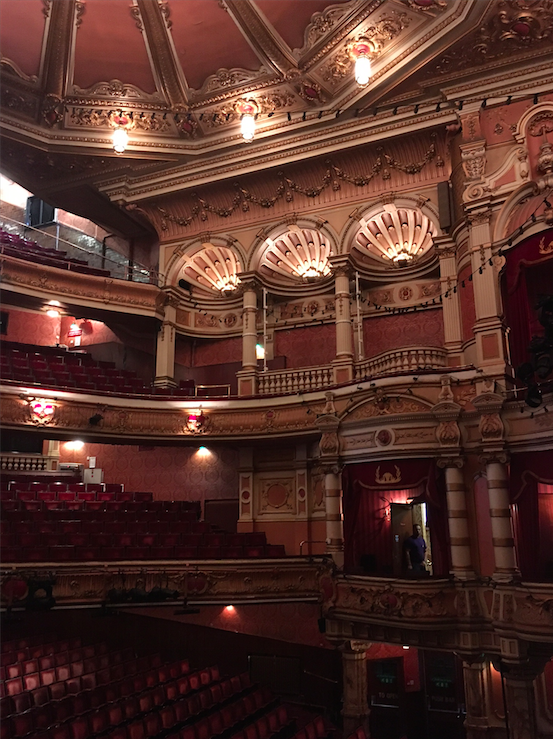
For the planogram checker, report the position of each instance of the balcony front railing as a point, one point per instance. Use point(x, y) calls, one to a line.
point(97, 253)
point(410, 359)
point(279, 382)
point(13, 462)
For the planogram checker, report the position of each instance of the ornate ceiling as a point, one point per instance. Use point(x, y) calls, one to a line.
point(181, 68)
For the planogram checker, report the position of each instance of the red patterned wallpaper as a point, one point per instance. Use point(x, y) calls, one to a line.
point(468, 309)
point(306, 347)
point(218, 351)
point(206, 352)
point(290, 622)
point(29, 327)
point(386, 333)
point(170, 473)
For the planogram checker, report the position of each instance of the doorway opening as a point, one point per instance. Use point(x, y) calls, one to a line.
point(404, 517)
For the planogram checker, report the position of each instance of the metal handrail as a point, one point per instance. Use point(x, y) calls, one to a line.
point(136, 266)
point(310, 541)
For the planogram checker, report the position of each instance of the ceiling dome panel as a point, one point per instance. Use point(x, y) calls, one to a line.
point(300, 253)
point(212, 267)
point(398, 235)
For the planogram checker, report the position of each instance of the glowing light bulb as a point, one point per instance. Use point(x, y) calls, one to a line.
point(362, 70)
point(120, 140)
point(203, 451)
point(53, 313)
point(247, 127)
point(74, 446)
point(259, 351)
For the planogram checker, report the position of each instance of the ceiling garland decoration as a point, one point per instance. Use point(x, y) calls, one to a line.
point(286, 187)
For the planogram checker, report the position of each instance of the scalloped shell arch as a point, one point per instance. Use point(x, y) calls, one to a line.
point(212, 267)
point(300, 253)
point(398, 235)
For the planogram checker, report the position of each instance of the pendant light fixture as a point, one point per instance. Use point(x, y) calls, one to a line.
point(361, 52)
point(247, 110)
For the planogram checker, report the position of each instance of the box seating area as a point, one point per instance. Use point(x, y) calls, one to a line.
point(64, 522)
point(130, 697)
point(16, 246)
point(55, 367)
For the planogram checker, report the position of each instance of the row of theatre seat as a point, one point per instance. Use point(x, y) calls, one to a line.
point(17, 246)
point(76, 369)
point(138, 700)
point(169, 701)
point(138, 528)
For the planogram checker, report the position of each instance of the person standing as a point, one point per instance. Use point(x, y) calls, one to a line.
point(415, 550)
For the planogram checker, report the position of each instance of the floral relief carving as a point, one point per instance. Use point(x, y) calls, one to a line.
point(381, 32)
point(491, 427)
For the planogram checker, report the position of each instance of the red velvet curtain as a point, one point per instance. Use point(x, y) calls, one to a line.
point(528, 273)
point(369, 489)
point(532, 514)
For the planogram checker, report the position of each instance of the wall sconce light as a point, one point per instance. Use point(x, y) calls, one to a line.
point(74, 446)
point(248, 111)
point(42, 411)
point(195, 423)
point(53, 313)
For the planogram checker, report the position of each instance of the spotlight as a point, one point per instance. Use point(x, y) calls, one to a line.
point(534, 397)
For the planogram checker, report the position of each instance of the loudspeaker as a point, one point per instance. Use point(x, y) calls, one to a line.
point(184, 284)
point(444, 204)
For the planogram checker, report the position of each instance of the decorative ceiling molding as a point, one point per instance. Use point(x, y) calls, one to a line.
point(262, 37)
point(322, 23)
point(398, 235)
point(212, 267)
point(114, 91)
point(165, 66)
point(297, 253)
point(63, 21)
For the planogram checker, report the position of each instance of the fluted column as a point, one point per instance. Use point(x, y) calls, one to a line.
point(343, 363)
point(520, 698)
point(247, 377)
point(451, 306)
point(481, 721)
point(355, 709)
point(489, 330)
point(165, 347)
point(334, 517)
point(461, 558)
point(329, 450)
point(500, 512)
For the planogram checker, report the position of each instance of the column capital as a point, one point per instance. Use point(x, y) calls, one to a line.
point(500, 456)
point(341, 265)
point(249, 282)
point(456, 462)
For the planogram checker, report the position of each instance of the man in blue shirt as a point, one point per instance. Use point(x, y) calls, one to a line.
point(415, 550)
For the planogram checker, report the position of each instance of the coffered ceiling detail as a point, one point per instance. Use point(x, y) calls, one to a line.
point(183, 69)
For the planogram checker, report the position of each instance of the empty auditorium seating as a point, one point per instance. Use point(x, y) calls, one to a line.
point(14, 245)
point(75, 369)
point(49, 520)
point(130, 697)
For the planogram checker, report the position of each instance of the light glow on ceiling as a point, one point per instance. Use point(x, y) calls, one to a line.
point(302, 253)
point(399, 235)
